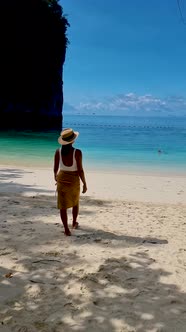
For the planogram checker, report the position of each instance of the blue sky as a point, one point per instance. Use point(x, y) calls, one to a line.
point(125, 55)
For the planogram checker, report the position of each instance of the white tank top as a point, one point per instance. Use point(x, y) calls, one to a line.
point(67, 168)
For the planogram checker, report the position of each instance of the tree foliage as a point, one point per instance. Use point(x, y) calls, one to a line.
point(33, 45)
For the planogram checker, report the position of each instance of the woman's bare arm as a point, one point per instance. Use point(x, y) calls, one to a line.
point(81, 173)
point(56, 164)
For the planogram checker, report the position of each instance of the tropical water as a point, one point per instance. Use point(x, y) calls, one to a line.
point(115, 143)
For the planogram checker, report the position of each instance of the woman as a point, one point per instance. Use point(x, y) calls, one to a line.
point(68, 170)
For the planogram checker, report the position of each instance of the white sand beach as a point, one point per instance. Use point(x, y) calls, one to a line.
point(123, 270)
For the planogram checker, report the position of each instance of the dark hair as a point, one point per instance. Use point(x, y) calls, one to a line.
point(66, 148)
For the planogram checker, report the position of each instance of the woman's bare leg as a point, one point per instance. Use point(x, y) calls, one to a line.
point(75, 212)
point(64, 219)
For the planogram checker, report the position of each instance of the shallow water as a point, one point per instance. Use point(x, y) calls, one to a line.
point(108, 142)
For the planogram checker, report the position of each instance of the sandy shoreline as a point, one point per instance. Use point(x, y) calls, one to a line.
point(155, 188)
point(123, 270)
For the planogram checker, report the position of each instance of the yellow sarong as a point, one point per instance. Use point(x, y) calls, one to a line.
point(68, 189)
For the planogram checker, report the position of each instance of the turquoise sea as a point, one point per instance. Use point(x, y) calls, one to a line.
point(114, 143)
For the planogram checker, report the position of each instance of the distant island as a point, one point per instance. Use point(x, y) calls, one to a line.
point(33, 48)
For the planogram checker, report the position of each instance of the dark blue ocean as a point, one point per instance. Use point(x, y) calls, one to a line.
point(108, 142)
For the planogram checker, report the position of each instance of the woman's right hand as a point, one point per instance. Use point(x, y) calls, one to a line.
point(84, 188)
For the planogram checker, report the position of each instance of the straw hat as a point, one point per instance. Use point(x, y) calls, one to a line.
point(67, 136)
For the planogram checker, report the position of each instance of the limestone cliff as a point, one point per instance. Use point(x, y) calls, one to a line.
point(32, 53)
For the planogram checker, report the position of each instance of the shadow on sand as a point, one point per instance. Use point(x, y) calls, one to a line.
point(50, 291)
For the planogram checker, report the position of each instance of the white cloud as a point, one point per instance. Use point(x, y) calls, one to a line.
point(133, 104)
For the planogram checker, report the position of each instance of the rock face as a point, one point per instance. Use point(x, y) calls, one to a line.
point(33, 46)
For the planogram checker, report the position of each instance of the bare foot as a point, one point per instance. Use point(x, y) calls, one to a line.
point(75, 225)
point(67, 232)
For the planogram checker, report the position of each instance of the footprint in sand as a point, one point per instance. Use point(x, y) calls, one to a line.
point(180, 192)
point(182, 249)
point(21, 329)
point(31, 229)
point(5, 231)
point(5, 253)
point(98, 239)
point(53, 253)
